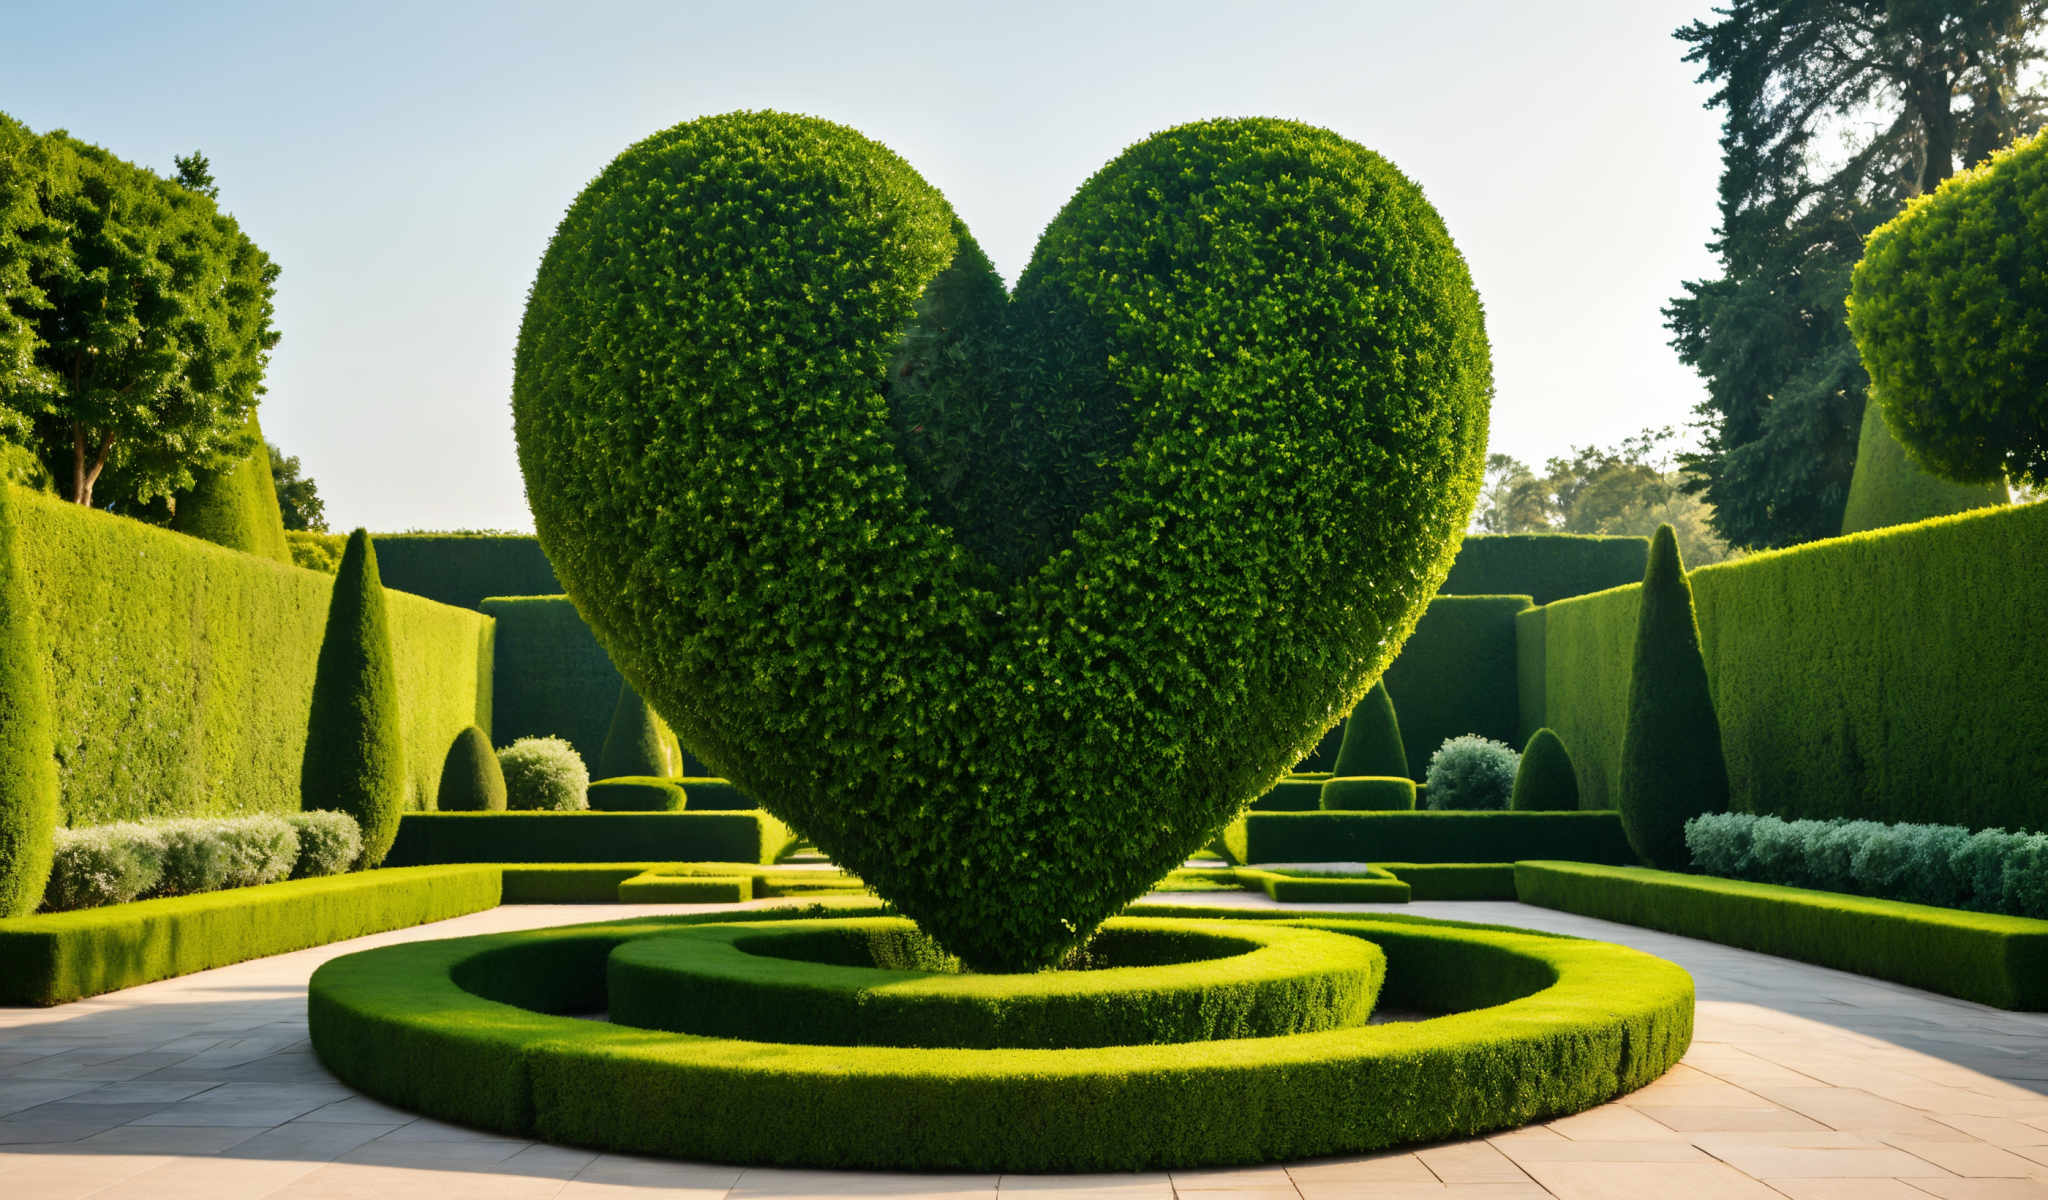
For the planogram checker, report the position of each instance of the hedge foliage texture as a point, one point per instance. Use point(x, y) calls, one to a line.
point(1671, 764)
point(1888, 488)
point(355, 753)
point(1372, 738)
point(464, 569)
point(1545, 566)
point(28, 766)
point(234, 503)
point(1949, 308)
point(471, 780)
point(1456, 675)
point(203, 712)
point(1008, 602)
point(551, 678)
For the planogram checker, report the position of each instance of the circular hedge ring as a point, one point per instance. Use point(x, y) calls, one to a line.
point(869, 982)
point(1007, 602)
point(470, 1030)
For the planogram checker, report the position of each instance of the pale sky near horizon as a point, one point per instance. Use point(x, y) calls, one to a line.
point(406, 164)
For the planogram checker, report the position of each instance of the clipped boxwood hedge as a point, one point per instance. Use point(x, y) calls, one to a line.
point(1240, 333)
point(878, 982)
point(713, 794)
point(58, 957)
point(551, 678)
point(1293, 794)
point(567, 837)
point(598, 883)
point(651, 887)
point(1368, 793)
point(462, 1029)
point(463, 568)
point(1456, 675)
point(1426, 837)
point(1986, 957)
point(643, 793)
point(1545, 566)
point(1455, 881)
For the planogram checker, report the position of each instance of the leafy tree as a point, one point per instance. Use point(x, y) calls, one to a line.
point(137, 320)
point(1629, 488)
point(196, 174)
point(1910, 90)
point(298, 498)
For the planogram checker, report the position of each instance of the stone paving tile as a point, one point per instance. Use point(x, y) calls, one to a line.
point(1984, 1189)
point(1638, 1181)
point(1847, 1189)
point(1971, 1159)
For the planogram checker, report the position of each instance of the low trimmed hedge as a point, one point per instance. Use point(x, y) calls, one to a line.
point(539, 837)
point(1990, 870)
point(114, 864)
point(1426, 837)
point(649, 887)
point(637, 793)
point(465, 1030)
point(598, 883)
point(1304, 887)
point(1990, 958)
point(879, 982)
point(1295, 793)
point(1367, 793)
point(710, 794)
point(56, 957)
point(1455, 881)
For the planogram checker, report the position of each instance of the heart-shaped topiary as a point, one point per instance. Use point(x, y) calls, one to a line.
point(1008, 605)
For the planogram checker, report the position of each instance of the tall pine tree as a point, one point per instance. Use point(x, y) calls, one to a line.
point(1836, 113)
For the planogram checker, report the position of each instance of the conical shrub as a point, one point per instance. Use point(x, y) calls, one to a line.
point(28, 762)
point(1545, 782)
point(634, 744)
point(235, 504)
point(471, 780)
point(1671, 764)
point(1372, 738)
point(355, 756)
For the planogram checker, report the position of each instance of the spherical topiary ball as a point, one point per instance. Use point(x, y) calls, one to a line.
point(1471, 772)
point(1006, 602)
point(544, 773)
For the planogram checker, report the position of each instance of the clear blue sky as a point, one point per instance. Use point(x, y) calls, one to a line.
point(405, 165)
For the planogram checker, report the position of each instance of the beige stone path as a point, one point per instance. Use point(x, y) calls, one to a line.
point(1802, 1082)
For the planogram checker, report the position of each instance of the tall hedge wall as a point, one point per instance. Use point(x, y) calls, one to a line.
point(1894, 674)
point(464, 568)
point(552, 677)
point(1456, 675)
point(181, 673)
point(1544, 566)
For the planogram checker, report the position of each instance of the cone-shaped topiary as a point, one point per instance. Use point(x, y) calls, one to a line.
point(1545, 782)
point(1888, 489)
point(235, 504)
point(28, 763)
point(634, 745)
point(471, 780)
point(355, 756)
point(1372, 738)
point(1671, 764)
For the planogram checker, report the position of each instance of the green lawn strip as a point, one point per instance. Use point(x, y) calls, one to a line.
point(1990, 958)
point(58, 957)
point(462, 1032)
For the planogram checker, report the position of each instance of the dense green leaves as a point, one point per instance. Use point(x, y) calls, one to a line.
point(635, 744)
point(1247, 379)
point(471, 780)
point(1372, 738)
point(1950, 312)
point(355, 751)
point(1671, 764)
point(1890, 489)
point(234, 503)
point(28, 767)
point(1544, 781)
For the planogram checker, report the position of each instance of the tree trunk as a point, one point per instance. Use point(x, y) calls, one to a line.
point(85, 474)
point(1934, 103)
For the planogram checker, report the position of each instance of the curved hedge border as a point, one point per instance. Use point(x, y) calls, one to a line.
point(867, 982)
point(1557, 1025)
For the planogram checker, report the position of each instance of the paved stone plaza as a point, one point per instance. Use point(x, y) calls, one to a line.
point(1801, 1082)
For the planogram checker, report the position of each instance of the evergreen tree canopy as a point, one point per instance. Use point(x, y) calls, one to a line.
point(1837, 112)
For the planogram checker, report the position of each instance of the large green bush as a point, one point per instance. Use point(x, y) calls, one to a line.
point(545, 775)
point(1457, 674)
point(471, 779)
point(1219, 458)
point(208, 715)
point(1372, 738)
point(355, 754)
point(28, 772)
point(1544, 780)
point(1470, 773)
point(1893, 675)
point(1671, 764)
point(234, 503)
point(1949, 308)
point(1889, 489)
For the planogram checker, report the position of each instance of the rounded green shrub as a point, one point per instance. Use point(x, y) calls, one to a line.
point(329, 843)
point(1369, 792)
point(203, 854)
point(545, 774)
point(103, 864)
point(868, 982)
point(28, 749)
point(1949, 308)
point(637, 793)
point(897, 551)
point(1372, 738)
point(471, 779)
point(355, 752)
point(1671, 764)
point(1471, 773)
point(634, 744)
point(1545, 780)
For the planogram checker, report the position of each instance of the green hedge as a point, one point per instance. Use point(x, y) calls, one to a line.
point(711, 794)
point(1889, 489)
point(1986, 957)
point(59, 957)
point(1455, 881)
point(1292, 794)
point(878, 982)
point(181, 673)
point(1456, 675)
point(461, 1029)
point(598, 883)
point(1303, 887)
point(552, 679)
point(463, 569)
point(1893, 675)
point(643, 793)
point(235, 504)
point(1367, 793)
point(650, 888)
point(1424, 837)
point(1544, 566)
point(533, 837)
